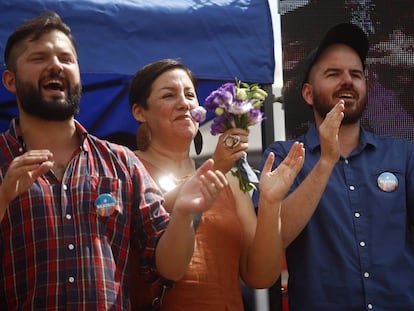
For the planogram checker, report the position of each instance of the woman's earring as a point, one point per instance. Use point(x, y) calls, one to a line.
point(198, 142)
point(143, 136)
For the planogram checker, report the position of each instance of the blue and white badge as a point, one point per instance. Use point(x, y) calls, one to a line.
point(105, 204)
point(387, 182)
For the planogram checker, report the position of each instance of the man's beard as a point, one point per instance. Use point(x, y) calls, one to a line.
point(322, 106)
point(32, 103)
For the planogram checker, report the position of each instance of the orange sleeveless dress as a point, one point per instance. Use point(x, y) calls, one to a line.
point(212, 281)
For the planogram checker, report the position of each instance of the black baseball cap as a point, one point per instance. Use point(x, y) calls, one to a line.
point(345, 33)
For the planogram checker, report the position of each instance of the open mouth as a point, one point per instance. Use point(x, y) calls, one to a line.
point(54, 85)
point(346, 95)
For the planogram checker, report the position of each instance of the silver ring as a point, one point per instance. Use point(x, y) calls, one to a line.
point(231, 141)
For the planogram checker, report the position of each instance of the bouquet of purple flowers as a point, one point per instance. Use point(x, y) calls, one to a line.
point(237, 105)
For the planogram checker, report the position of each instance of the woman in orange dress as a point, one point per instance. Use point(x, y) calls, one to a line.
point(231, 241)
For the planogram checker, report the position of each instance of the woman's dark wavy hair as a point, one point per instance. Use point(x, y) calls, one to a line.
point(140, 86)
point(32, 30)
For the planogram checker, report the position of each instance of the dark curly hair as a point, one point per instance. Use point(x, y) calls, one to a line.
point(140, 86)
point(32, 30)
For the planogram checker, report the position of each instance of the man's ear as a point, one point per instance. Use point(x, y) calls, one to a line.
point(137, 113)
point(307, 93)
point(9, 81)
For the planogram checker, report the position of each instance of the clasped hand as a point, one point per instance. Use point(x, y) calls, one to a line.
point(198, 193)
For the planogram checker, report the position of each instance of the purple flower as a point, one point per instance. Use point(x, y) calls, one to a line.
point(229, 87)
point(256, 116)
point(240, 107)
point(219, 125)
point(237, 105)
point(198, 114)
point(222, 97)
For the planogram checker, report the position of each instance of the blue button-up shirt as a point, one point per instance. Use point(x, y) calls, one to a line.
point(357, 250)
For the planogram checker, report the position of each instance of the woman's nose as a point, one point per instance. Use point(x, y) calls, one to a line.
point(184, 102)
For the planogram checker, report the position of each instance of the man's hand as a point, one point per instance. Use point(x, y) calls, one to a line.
point(23, 171)
point(328, 132)
point(21, 174)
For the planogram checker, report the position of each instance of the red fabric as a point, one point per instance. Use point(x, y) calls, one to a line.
point(56, 250)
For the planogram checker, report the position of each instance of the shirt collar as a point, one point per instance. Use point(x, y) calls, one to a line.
point(312, 138)
point(367, 140)
point(83, 134)
point(16, 133)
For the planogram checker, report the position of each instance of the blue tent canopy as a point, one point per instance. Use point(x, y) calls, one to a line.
point(219, 40)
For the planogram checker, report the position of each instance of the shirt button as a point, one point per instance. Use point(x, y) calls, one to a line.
point(362, 243)
point(357, 215)
point(366, 274)
point(370, 306)
point(71, 279)
point(71, 247)
point(352, 188)
point(68, 216)
point(65, 187)
point(346, 161)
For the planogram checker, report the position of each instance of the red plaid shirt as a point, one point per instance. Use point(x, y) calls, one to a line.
point(56, 251)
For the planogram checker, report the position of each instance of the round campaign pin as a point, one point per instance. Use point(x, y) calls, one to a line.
point(387, 182)
point(105, 204)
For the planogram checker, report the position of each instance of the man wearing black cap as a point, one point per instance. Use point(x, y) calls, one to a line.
point(347, 223)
